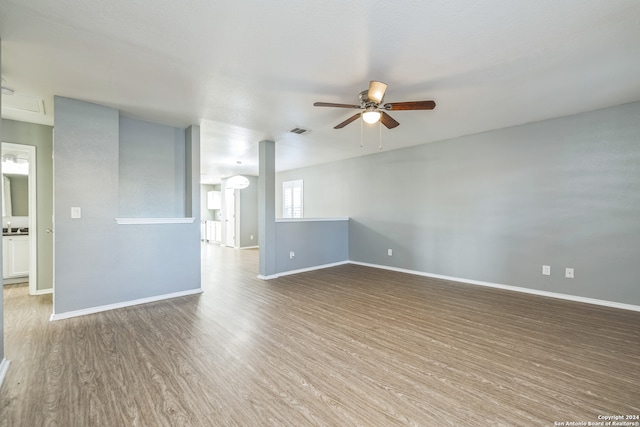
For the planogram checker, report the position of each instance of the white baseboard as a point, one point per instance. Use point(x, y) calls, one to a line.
point(248, 247)
point(508, 287)
point(303, 270)
point(4, 367)
point(92, 310)
point(15, 280)
point(44, 291)
point(315, 267)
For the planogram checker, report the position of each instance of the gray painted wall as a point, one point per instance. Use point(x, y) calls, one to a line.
point(192, 175)
point(41, 137)
point(99, 262)
point(313, 242)
point(152, 170)
point(248, 215)
point(266, 208)
point(496, 206)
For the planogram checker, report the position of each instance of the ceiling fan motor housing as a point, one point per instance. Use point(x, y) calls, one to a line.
point(365, 102)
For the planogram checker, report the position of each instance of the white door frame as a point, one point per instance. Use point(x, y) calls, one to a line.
point(33, 209)
point(230, 217)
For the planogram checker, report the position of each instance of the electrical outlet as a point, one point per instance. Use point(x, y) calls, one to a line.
point(292, 255)
point(568, 273)
point(251, 237)
point(390, 252)
point(546, 270)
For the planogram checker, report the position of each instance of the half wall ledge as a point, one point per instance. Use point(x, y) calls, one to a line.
point(346, 218)
point(141, 221)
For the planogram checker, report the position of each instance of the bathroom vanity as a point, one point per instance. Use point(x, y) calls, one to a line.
point(15, 253)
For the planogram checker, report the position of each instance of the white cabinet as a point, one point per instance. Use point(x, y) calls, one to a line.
point(15, 256)
point(208, 231)
point(213, 231)
point(213, 200)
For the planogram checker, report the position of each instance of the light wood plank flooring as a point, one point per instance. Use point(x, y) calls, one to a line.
point(346, 346)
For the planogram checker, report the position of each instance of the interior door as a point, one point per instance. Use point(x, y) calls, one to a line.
point(230, 216)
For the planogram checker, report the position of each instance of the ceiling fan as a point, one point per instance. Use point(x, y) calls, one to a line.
point(373, 111)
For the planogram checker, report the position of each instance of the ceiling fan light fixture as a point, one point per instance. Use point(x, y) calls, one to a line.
point(376, 91)
point(371, 116)
point(238, 182)
point(372, 109)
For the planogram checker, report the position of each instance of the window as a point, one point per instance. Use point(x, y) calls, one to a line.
point(292, 199)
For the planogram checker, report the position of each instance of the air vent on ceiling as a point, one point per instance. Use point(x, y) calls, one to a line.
point(23, 103)
point(300, 131)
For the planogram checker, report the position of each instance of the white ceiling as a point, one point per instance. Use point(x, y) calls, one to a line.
point(247, 70)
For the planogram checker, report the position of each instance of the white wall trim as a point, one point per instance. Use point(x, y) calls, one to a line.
point(108, 307)
point(567, 297)
point(248, 247)
point(345, 218)
point(303, 270)
point(315, 267)
point(4, 367)
point(44, 291)
point(139, 221)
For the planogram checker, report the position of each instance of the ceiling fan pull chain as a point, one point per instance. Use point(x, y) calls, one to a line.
point(361, 137)
point(380, 135)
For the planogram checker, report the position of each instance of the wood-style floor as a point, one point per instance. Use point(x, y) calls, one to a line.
point(345, 346)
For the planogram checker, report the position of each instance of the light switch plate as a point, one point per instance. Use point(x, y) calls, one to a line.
point(76, 213)
point(546, 270)
point(568, 273)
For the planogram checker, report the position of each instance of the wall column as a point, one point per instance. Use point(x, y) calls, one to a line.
point(267, 210)
point(3, 364)
point(192, 154)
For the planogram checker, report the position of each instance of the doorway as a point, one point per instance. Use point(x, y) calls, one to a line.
point(230, 216)
point(19, 213)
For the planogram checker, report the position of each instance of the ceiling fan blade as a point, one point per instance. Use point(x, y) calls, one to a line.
point(388, 121)
point(331, 104)
point(411, 105)
point(376, 91)
point(346, 122)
